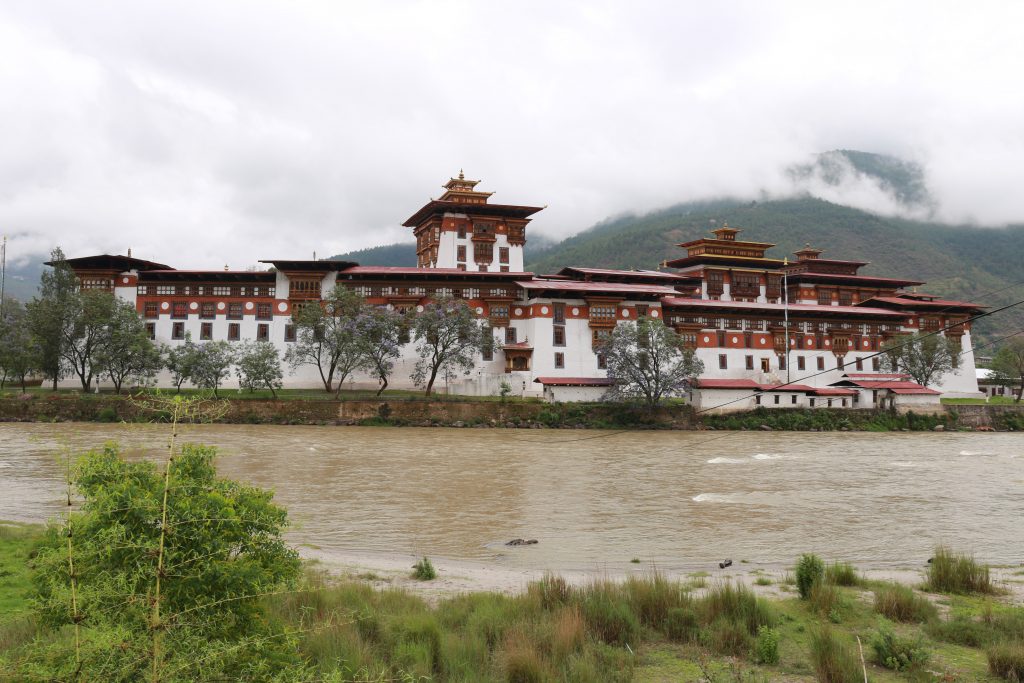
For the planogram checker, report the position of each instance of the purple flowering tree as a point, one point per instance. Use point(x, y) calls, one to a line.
point(382, 333)
point(327, 337)
point(448, 339)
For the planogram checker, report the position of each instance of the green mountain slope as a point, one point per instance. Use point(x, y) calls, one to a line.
point(957, 261)
point(404, 253)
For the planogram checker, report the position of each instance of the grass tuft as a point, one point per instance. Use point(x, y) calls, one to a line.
point(901, 603)
point(843, 574)
point(1006, 660)
point(424, 570)
point(951, 572)
point(834, 661)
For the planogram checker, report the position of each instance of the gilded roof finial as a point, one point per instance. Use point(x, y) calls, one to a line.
point(462, 176)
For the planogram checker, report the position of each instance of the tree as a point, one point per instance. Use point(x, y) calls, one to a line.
point(925, 357)
point(326, 337)
point(259, 365)
point(125, 349)
point(180, 361)
point(647, 361)
point(212, 364)
point(51, 313)
point(380, 332)
point(1008, 366)
point(448, 338)
point(19, 352)
point(170, 568)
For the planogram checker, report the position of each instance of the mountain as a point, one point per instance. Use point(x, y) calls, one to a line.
point(902, 180)
point(964, 262)
point(404, 253)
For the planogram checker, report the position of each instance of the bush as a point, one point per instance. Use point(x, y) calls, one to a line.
point(843, 574)
point(424, 570)
point(682, 625)
point(950, 572)
point(833, 661)
point(1006, 660)
point(726, 637)
point(901, 603)
point(738, 604)
point(899, 654)
point(1006, 625)
point(766, 649)
point(651, 597)
point(809, 570)
point(552, 590)
point(608, 615)
point(825, 599)
point(107, 414)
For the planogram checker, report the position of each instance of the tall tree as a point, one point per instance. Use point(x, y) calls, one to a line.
point(925, 357)
point(211, 365)
point(380, 332)
point(258, 365)
point(19, 351)
point(51, 313)
point(180, 360)
point(448, 339)
point(326, 337)
point(125, 350)
point(1008, 366)
point(647, 361)
point(84, 333)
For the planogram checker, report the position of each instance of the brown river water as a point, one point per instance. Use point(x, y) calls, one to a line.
point(592, 499)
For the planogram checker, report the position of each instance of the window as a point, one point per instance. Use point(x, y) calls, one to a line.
point(166, 289)
point(151, 330)
point(558, 335)
point(462, 236)
point(460, 253)
point(559, 360)
point(723, 361)
point(777, 398)
point(307, 289)
point(800, 363)
point(178, 331)
point(840, 363)
point(207, 310)
point(792, 399)
point(234, 331)
point(263, 332)
point(488, 350)
point(602, 312)
point(782, 362)
point(812, 402)
point(142, 290)
point(821, 363)
point(503, 254)
point(221, 290)
point(757, 399)
point(179, 309)
point(766, 365)
point(845, 297)
point(482, 268)
point(641, 311)
point(504, 269)
point(263, 311)
point(830, 403)
point(206, 331)
point(721, 338)
point(750, 362)
point(876, 364)
point(860, 364)
point(234, 311)
point(602, 364)
point(559, 313)
point(289, 333)
point(824, 297)
point(151, 310)
point(844, 402)
point(510, 335)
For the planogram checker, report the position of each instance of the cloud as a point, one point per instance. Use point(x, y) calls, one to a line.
point(202, 133)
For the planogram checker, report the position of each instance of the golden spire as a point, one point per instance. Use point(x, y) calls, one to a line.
point(462, 176)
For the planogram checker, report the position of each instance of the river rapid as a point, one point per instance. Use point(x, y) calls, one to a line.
point(593, 500)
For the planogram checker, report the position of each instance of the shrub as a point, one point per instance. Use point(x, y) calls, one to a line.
point(424, 570)
point(898, 654)
point(726, 636)
point(901, 603)
point(951, 572)
point(738, 604)
point(766, 649)
point(651, 597)
point(843, 574)
point(107, 414)
point(809, 570)
point(825, 599)
point(608, 616)
point(833, 661)
point(682, 625)
point(1006, 660)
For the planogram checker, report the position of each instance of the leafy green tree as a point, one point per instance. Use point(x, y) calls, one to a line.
point(258, 365)
point(159, 576)
point(180, 360)
point(1008, 366)
point(211, 365)
point(86, 332)
point(448, 339)
point(125, 350)
point(925, 357)
point(380, 332)
point(326, 337)
point(19, 351)
point(648, 362)
point(53, 312)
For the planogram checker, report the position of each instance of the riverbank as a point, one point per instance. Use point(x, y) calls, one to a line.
point(418, 411)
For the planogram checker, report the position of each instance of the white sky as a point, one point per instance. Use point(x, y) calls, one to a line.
point(210, 133)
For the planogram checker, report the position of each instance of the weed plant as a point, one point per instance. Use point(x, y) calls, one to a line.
point(897, 653)
point(1006, 660)
point(424, 570)
point(900, 603)
point(951, 572)
point(843, 574)
point(809, 570)
point(833, 660)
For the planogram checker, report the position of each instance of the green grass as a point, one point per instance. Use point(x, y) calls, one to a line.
point(992, 400)
point(16, 542)
point(951, 572)
point(900, 603)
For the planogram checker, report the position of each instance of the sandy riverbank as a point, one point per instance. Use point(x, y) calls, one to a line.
point(463, 576)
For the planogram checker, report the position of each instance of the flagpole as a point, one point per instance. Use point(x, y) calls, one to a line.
point(785, 309)
point(3, 274)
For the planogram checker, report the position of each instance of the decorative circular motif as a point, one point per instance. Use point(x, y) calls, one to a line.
point(625, 313)
point(809, 342)
point(193, 306)
point(828, 343)
point(707, 339)
point(391, 307)
point(124, 280)
point(419, 309)
point(221, 306)
point(479, 310)
point(654, 313)
point(281, 306)
point(519, 311)
point(543, 310)
point(575, 311)
point(249, 305)
point(735, 340)
point(792, 342)
point(164, 306)
point(763, 341)
point(866, 343)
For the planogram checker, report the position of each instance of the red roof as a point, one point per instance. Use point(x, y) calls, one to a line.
point(684, 302)
point(728, 384)
point(811, 275)
point(436, 206)
point(575, 381)
point(877, 375)
point(611, 272)
point(923, 303)
point(404, 270)
point(597, 287)
point(834, 391)
point(786, 387)
point(895, 386)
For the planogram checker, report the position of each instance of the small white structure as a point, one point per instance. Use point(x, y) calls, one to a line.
point(891, 390)
point(568, 389)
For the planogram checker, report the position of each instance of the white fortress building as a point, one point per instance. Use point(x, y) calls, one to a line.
point(728, 300)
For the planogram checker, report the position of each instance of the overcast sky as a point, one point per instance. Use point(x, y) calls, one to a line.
point(205, 133)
